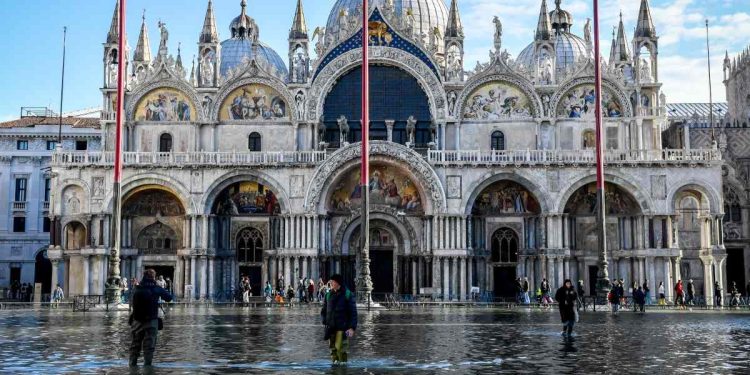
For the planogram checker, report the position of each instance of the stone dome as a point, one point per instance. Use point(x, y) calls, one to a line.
point(569, 50)
point(246, 45)
point(428, 14)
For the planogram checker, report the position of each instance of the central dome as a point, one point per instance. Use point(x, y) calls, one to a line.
point(246, 45)
point(428, 14)
point(569, 50)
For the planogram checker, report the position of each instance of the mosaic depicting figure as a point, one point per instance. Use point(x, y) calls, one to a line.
point(253, 102)
point(387, 186)
point(497, 101)
point(617, 201)
point(579, 103)
point(246, 198)
point(505, 197)
point(165, 105)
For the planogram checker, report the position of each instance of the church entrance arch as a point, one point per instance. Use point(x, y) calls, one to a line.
point(249, 247)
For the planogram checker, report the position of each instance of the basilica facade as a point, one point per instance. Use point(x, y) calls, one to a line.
point(247, 163)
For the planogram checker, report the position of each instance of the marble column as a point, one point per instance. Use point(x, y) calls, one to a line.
point(463, 263)
point(454, 278)
point(530, 272)
point(446, 287)
point(212, 277)
point(668, 283)
point(551, 272)
point(470, 283)
point(86, 274)
point(192, 276)
point(566, 271)
point(204, 277)
point(54, 281)
point(560, 271)
point(287, 271)
point(708, 283)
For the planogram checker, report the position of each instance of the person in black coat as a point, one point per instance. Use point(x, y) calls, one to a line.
point(339, 315)
point(566, 298)
point(640, 298)
point(144, 319)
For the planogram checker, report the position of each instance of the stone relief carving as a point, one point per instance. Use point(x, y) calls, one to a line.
point(98, 187)
point(453, 187)
point(297, 186)
point(659, 187)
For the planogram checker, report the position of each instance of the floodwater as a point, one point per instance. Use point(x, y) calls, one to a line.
point(210, 340)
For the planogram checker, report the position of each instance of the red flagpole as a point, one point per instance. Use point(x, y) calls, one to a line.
point(115, 233)
point(364, 282)
point(602, 284)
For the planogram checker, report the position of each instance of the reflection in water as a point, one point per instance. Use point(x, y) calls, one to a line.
point(420, 341)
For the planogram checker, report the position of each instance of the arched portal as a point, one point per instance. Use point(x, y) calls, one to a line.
point(504, 260)
point(249, 248)
point(43, 271)
point(75, 236)
point(245, 223)
point(396, 95)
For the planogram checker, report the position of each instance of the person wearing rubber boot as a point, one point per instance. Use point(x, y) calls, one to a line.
point(339, 316)
point(144, 320)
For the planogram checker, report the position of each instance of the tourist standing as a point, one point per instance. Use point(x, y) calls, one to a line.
point(545, 292)
point(662, 295)
point(519, 291)
point(690, 293)
point(57, 296)
point(679, 294)
point(310, 291)
point(639, 299)
point(735, 301)
point(321, 289)
point(580, 292)
point(339, 314)
point(144, 319)
point(268, 291)
point(525, 286)
point(615, 296)
point(161, 282)
point(647, 292)
point(566, 298)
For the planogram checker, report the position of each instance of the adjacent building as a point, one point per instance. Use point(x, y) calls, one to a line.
point(246, 163)
point(26, 147)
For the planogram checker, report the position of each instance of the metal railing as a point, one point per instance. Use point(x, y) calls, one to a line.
point(544, 157)
point(181, 159)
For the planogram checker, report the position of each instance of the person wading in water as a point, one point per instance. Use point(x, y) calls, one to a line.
point(144, 320)
point(339, 315)
point(566, 298)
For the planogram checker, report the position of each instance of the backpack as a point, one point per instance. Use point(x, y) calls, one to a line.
point(142, 299)
point(347, 294)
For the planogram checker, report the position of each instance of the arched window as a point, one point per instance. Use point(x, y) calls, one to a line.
point(157, 238)
point(249, 246)
point(253, 143)
point(498, 140)
point(504, 246)
point(165, 143)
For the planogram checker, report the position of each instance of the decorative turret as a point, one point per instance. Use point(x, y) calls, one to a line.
point(142, 54)
point(645, 37)
point(727, 67)
point(645, 28)
point(454, 45)
point(111, 53)
point(543, 26)
point(620, 53)
point(299, 56)
point(561, 19)
point(208, 51)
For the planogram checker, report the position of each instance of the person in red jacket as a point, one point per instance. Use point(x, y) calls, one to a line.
point(679, 294)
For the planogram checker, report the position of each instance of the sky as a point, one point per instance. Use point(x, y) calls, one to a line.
point(30, 61)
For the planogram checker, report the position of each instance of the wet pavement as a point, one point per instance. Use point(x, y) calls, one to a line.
point(416, 341)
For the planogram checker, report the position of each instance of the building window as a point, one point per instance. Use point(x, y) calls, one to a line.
point(46, 223)
point(253, 143)
point(82, 145)
point(165, 143)
point(47, 185)
point(498, 140)
point(51, 145)
point(21, 189)
point(22, 145)
point(19, 224)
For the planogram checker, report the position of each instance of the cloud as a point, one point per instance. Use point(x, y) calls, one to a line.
point(686, 80)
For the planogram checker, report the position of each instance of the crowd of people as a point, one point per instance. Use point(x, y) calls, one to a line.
point(304, 290)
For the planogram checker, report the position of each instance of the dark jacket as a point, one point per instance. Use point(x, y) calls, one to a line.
point(566, 299)
point(145, 300)
point(339, 311)
point(691, 289)
point(639, 297)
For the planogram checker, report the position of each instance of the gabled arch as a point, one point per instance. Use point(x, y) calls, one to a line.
point(135, 98)
point(387, 152)
point(508, 78)
point(644, 201)
point(618, 91)
point(229, 178)
point(490, 178)
point(254, 79)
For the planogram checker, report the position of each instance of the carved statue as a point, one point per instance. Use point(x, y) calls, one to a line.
point(207, 69)
point(587, 31)
point(206, 105)
point(434, 132)
point(321, 131)
point(545, 71)
point(343, 128)
point(662, 100)
point(411, 127)
point(299, 99)
point(299, 68)
point(452, 97)
point(74, 205)
point(320, 33)
point(645, 71)
point(164, 36)
point(343, 22)
point(410, 21)
point(498, 33)
point(545, 105)
point(435, 38)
